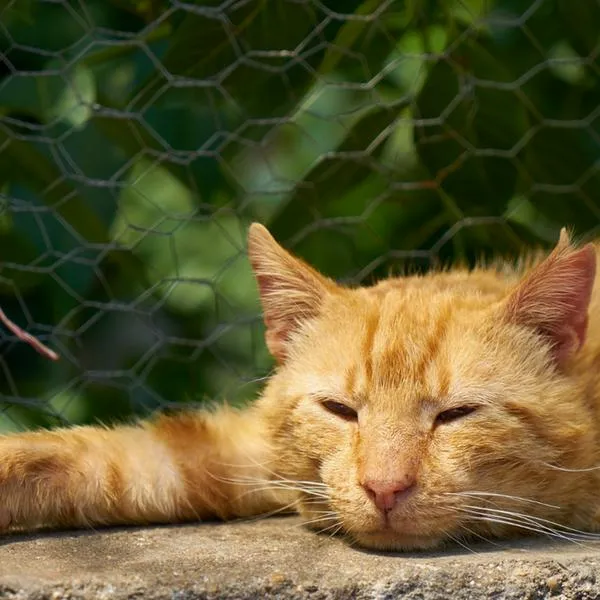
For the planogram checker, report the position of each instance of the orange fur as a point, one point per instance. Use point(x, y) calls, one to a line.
point(514, 351)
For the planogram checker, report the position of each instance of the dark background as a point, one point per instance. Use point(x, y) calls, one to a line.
point(139, 138)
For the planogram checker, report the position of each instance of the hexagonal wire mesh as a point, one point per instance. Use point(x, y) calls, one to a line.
point(140, 137)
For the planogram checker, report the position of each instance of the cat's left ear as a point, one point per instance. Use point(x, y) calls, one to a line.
point(291, 292)
point(554, 298)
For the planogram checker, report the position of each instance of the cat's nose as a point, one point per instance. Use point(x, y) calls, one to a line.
point(386, 494)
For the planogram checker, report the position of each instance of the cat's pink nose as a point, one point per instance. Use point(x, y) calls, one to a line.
point(386, 494)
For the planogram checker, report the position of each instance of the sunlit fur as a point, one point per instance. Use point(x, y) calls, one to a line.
point(516, 346)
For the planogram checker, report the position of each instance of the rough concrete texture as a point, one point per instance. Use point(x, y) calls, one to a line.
point(277, 558)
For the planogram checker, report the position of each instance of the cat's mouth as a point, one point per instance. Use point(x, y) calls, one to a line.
point(382, 535)
point(400, 535)
point(392, 540)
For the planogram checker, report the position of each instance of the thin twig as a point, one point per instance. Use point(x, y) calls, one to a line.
point(27, 338)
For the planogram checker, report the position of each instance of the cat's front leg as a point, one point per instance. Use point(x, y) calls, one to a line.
point(171, 469)
point(82, 476)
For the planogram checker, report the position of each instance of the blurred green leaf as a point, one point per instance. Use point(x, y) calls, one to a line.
point(470, 124)
point(335, 178)
point(72, 99)
point(563, 178)
point(581, 21)
point(204, 57)
point(59, 94)
point(530, 28)
point(17, 250)
point(38, 173)
point(262, 56)
point(72, 215)
point(16, 12)
point(362, 43)
point(191, 261)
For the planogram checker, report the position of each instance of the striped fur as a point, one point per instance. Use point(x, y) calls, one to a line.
point(516, 346)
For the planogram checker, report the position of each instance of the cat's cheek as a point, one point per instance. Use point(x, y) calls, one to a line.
point(348, 498)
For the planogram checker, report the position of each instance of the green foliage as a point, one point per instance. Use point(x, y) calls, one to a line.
point(139, 138)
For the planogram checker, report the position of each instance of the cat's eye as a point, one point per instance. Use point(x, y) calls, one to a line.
point(341, 410)
point(453, 414)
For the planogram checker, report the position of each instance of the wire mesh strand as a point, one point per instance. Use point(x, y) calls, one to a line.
point(139, 139)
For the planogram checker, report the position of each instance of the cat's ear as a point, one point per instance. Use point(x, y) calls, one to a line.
point(554, 297)
point(291, 292)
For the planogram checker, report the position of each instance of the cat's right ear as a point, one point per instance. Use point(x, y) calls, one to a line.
point(554, 298)
point(291, 292)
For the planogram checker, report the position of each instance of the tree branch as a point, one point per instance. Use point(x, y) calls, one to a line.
point(27, 338)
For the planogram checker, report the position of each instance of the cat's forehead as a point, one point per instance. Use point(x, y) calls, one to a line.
point(416, 308)
point(462, 283)
point(403, 343)
point(375, 341)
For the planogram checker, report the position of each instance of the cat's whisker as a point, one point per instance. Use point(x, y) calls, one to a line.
point(501, 496)
point(303, 484)
point(245, 467)
point(319, 484)
point(529, 523)
point(548, 532)
point(325, 517)
point(254, 380)
point(276, 476)
point(251, 480)
point(566, 470)
point(258, 490)
point(474, 533)
point(255, 487)
point(276, 511)
point(337, 531)
point(457, 540)
point(316, 500)
point(291, 507)
point(278, 484)
point(296, 488)
point(333, 529)
point(328, 511)
point(294, 485)
point(243, 481)
point(320, 519)
point(279, 477)
point(278, 488)
point(539, 521)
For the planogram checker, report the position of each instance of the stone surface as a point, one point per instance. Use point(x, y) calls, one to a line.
point(278, 558)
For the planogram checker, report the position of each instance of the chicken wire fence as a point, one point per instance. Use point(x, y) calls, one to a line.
point(139, 138)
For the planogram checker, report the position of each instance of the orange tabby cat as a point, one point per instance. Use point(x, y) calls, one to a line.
point(404, 414)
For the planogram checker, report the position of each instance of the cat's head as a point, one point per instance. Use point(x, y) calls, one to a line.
point(429, 406)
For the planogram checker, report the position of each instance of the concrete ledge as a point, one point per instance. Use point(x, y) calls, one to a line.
point(277, 558)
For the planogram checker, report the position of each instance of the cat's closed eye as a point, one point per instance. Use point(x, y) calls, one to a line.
point(339, 409)
point(453, 414)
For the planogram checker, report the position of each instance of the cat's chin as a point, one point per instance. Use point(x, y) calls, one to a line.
point(389, 540)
